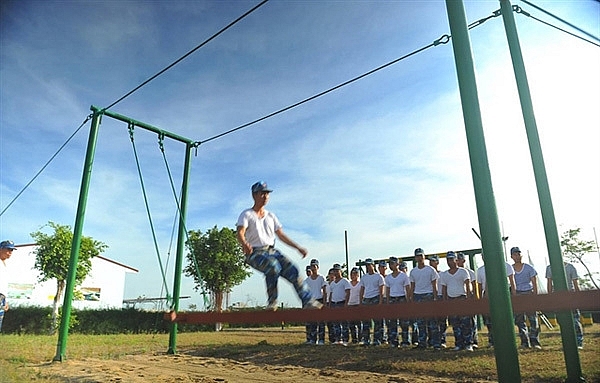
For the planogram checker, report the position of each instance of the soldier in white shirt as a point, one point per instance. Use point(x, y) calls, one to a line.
point(482, 286)
point(339, 294)
point(423, 280)
point(397, 291)
point(371, 293)
point(456, 284)
point(318, 289)
point(354, 327)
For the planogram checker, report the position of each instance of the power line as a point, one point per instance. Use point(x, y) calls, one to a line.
point(187, 54)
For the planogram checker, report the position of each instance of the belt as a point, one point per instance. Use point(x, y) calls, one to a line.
point(337, 303)
point(262, 248)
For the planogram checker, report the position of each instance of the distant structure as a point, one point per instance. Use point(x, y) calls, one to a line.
point(103, 288)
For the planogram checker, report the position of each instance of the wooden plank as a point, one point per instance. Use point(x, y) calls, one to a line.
point(558, 301)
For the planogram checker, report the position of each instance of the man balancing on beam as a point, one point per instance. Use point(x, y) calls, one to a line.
point(256, 231)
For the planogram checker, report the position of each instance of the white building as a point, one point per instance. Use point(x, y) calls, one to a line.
point(103, 288)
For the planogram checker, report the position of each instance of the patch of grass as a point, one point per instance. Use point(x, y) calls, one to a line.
point(276, 347)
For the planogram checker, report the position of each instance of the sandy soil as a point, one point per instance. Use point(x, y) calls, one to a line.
point(184, 368)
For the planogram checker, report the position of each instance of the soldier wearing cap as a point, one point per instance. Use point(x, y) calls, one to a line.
point(442, 323)
point(339, 294)
point(354, 327)
point(460, 261)
point(318, 289)
point(526, 283)
point(256, 231)
point(456, 284)
point(423, 281)
point(397, 286)
point(6, 249)
point(371, 293)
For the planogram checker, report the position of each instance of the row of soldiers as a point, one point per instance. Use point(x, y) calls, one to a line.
point(423, 283)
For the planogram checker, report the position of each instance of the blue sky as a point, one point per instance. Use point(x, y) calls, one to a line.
point(384, 158)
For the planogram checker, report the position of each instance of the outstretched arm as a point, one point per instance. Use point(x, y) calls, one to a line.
point(285, 239)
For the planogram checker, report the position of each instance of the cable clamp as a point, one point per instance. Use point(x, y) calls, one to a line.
point(130, 127)
point(518, 9)
point(161, 137)
point(442, 40)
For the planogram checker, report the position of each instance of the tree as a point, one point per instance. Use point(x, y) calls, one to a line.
point(52, 259)
point(574, 249)
point(219, 262)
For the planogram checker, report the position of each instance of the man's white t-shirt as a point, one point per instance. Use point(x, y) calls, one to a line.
point(316, 286)
point(354, 294)
point(455, 283)
point(422, 279)
point(338, 290)
point(397, 284)
point(371, 283)
point(3, 279)
point(481, 275)
point(259, 231)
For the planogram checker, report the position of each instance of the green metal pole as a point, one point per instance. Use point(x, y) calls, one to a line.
point(180, 245)
point(507, 359)
point(61, 346)
point(565, 319)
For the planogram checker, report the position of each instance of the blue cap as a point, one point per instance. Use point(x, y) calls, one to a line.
point(392, 260)
point(368, 261)
point(383, 263)
point(8, 244)
point(314, 262)
point(403, 265)
point(354, 270)
point(515, 250)
point(260, 187)
point(419, 251)
point(307, 267)
point(460, 256)
point(434, 258)
point(451, 255)
point(337, 266)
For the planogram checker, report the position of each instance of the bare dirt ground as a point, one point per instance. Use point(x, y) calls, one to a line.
point(184, 368)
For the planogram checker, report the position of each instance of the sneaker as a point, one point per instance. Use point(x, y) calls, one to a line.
point(437, 348)
point(272, 306)
point(474, 346)
point(457, 348)
point(525, 346)
point(405, 345)
point(580, 347)
point(537, 347)
point(443, 345)
point(320, 343)
point(313, 304)
point(309, 342)
point(469, 348)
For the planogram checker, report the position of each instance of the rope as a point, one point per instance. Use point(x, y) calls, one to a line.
point(137, 162)
point(186, 55)
point(45, 165)
point(177, 203)
point(519, 10)
point(444, 39)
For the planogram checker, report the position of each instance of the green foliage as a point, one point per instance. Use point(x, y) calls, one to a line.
point(574, 249)
point(54, 250)
point(37, 320)
point(216, 260)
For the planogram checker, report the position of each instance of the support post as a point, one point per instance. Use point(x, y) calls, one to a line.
point(565, 319)
point(63, 334)
point(507, 360)
point(181, 237)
